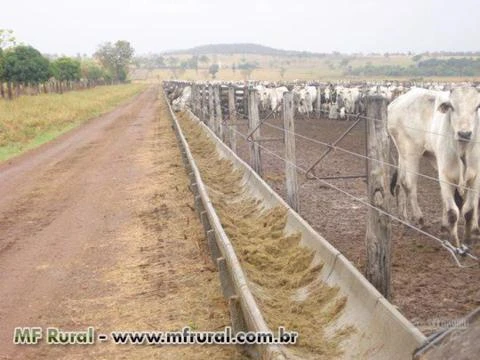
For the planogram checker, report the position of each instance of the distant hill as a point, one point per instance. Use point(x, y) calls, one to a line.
point(246, 48)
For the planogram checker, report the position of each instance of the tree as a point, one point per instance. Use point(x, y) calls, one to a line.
point(172, 61)
point(150, 61)
point(2, 80)
point(247, 68)
point(344, 62)
point(7, 39)
point(1, 64)
point(66, 69)
point(192, 63)
point(282, 71)
point(116, 58)
point(213, 70)
point(158, 61)
point(204, 59)
point(92, 72)
point(24, 65)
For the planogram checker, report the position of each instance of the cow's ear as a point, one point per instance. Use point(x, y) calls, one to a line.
point(445, 106)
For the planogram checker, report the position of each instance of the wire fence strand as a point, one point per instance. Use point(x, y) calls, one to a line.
point(444, 243)
point(335, 147)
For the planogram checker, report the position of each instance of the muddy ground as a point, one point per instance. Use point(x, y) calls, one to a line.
point(428, 288)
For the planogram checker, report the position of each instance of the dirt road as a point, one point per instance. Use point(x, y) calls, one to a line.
point(97, 229)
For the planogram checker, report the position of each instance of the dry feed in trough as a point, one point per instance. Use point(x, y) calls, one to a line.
point(281, 273)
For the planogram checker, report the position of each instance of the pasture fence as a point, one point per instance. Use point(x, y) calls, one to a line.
point(442, 242)
point(224, 107)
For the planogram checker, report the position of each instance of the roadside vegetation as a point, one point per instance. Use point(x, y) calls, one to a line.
point(29, 121)
point(40, 95)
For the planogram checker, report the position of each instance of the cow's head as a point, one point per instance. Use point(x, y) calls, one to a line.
point(462, 108)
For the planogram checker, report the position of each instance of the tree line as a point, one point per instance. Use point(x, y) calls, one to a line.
point(24, 70)
point(430, 67)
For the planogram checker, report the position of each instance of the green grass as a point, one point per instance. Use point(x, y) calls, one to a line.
point(30, 121)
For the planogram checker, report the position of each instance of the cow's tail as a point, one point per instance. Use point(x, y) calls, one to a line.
point(393, 182)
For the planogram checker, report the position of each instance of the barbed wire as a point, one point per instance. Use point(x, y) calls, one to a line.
point(365, 117)
point(416, 129)
point(444, 243)
point(335, 147)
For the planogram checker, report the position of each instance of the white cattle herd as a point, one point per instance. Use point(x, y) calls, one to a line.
point(436, 121)
point(336, 100)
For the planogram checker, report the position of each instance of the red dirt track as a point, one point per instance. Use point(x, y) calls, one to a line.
point(98, 228)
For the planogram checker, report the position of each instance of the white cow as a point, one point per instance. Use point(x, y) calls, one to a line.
point(347, 100)
point(184, 100)
point(327, 94)
point(262, 93)
point(306, 97)
point(333, 111)
point(275, 96)
point(444, 126)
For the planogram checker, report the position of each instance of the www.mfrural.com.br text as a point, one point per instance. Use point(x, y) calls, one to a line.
point(186, 336)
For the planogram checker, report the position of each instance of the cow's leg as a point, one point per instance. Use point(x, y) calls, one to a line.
point(450, 209)
point(401, 202)
point(400, 192)
point(468, 213)
point(408, 180)
point(475, 226)
point(470, 210)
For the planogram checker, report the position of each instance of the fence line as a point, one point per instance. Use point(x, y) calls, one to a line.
point(444, 243)
point(335, 147)
point(362, 117)
point(248, 93)
point(353, 153)
point(408, 127)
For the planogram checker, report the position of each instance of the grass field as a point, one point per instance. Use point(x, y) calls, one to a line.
point(329, 68)
point(29, 121)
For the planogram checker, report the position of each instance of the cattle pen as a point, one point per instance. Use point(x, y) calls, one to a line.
point(421, 260)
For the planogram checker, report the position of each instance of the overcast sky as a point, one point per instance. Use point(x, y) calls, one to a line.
point(71, 27)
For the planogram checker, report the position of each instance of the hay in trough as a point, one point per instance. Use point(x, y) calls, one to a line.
point(282, 275)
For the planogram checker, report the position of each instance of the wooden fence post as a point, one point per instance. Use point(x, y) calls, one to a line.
point(203, 102)
point(253, 122)
point(232, 119)
point(379, 228)
point(290, 168)
point(194, 99)
point(218, 113)
point(211, 109)
point(199, 101)
point(245, 100)
point(319, 101)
